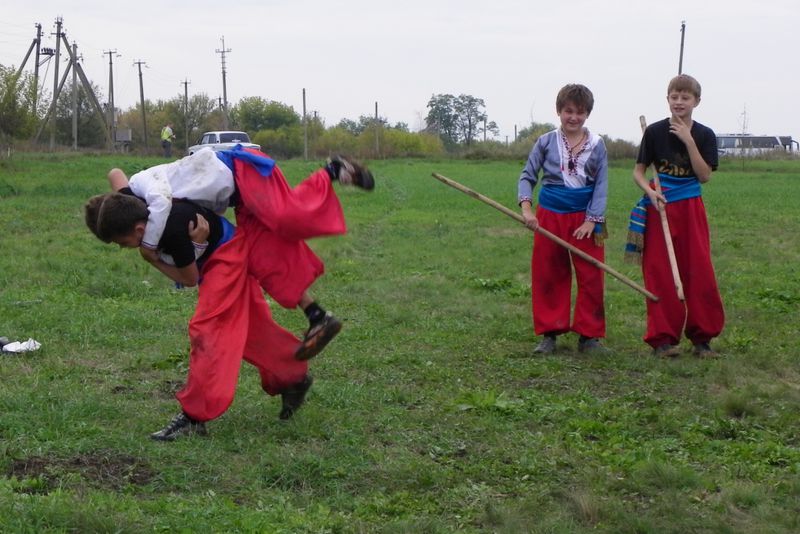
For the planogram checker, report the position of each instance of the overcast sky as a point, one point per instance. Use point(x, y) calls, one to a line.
point(515, 55)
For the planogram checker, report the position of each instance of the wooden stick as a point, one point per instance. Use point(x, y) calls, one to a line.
point(516, 216)
point(673, 261)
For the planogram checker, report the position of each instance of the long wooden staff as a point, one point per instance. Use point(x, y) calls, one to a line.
point(516, 216)
point(673, 261)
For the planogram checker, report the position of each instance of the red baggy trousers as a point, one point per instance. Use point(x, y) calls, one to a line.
point(232, 320)
point(703, 312)
point(551, 279)
point(282, 218)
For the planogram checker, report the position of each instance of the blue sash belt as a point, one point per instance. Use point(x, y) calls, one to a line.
point(262, 163)
point(674, 189)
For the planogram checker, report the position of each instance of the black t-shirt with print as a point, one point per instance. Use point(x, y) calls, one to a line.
point(670, 154)
point(175, 240)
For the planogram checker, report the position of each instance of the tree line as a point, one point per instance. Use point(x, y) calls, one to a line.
point(454, 125)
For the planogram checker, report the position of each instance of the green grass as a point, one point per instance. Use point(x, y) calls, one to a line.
point(429, 412)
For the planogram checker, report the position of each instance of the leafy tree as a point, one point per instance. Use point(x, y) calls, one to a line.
point(364, 122)
point(619, 148)
point(441, 119)
point(285, 142)
point(254, 114)
point(17, 116)
point(457, 119)
point(535, 130)
point(469, 116)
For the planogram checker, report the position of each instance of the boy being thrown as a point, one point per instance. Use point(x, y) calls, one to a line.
point(249, 178)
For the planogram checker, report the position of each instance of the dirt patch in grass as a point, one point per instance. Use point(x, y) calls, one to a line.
point(100, 469)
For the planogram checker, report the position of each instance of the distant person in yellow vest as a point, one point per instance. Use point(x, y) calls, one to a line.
point(166, 139)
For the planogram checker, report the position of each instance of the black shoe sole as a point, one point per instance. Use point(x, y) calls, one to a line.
point(311, 347)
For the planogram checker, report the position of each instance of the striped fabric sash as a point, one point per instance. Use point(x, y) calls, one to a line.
point(674, 189)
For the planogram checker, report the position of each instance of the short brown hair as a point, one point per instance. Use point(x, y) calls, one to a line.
point(578, 94)
point(118, 216)
point(684, 82)
point(90, 211)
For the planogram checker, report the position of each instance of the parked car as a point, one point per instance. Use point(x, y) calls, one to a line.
point(223, 140)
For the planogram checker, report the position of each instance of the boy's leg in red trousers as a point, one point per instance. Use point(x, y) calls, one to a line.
point(311, 209)
point(220, 332)
point(551, 278)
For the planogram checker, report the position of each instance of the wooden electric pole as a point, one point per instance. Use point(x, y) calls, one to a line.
point(141, 99)
point(112, 110)
point(683, 34)
point(55, 83)
point(377, 141)
point(222, 52)
point(185, 84)
point(305, 127)
point(73, 60)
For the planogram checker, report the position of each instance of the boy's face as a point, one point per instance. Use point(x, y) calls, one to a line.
point(572, 118)
point(682, 103)
point(132, 239)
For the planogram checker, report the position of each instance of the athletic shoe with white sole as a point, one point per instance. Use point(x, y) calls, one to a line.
point(180, 425)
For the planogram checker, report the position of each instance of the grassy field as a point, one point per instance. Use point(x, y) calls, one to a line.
point(429, 412)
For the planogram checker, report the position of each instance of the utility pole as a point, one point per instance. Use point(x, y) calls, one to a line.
point(185, 84)
point(59, 20)
point(377, 142)
point(88, 90)
point(36, 66)
point(484, 130)
point(141, 99)
point(112, 111)
point(36, 43)
point(74, 60)
point(222, 52)
point(683, 34)
point(515, 132)
point(305, 128)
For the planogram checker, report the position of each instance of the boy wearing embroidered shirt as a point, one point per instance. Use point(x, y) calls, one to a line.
point(684, 153)
point(572, 202)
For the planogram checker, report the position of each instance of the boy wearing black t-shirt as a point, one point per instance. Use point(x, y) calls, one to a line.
point(684, 153)
point(232, 320)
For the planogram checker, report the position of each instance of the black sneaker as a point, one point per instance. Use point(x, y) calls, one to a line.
point(317, 337)
point(704, 350)
point(294, 396)
point(546, 346)
point(667, 350)
point(592, 345)
point(180, 425)
point(350, 172)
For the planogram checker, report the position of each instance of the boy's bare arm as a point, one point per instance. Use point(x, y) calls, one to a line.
point(187, 276)
point(641, 180)
point(527, 213)
point(683, 132)
point(117, 179)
